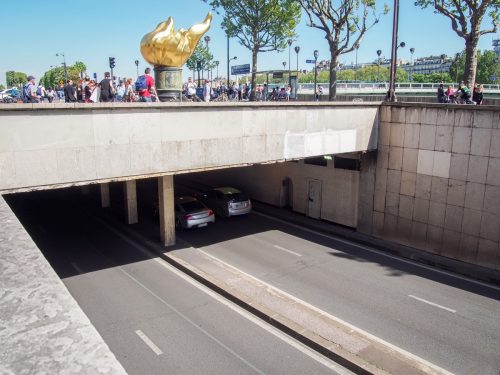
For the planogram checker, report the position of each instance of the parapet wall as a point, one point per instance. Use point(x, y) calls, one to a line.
point(44, 146)
point(434, 183)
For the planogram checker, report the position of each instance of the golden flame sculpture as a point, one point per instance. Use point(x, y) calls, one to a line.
point(165, 47)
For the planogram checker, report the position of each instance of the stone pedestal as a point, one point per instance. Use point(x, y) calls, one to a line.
point(168, 82)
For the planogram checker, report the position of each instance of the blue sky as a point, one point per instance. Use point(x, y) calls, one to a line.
point(92, 30)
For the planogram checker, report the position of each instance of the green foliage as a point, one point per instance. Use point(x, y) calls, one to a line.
point(201, 54)
point(344, 23)
point(2, 87)
point(55, 76)
point(461, 12)
point(259, 25)
point(466, 18)
point(15, 78)
point(487, 65)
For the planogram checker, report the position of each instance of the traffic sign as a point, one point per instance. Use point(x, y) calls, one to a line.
point(493, 77)
point(310, 61)
point(237, 70)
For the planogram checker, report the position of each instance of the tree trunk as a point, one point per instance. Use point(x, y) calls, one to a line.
point(471, 58)
point(254, 74)
point(332, 92)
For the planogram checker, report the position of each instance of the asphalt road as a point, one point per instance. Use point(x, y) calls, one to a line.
point(154, 320)
point(447, 320)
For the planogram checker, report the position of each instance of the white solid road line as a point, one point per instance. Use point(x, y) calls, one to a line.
point(288, 251)
point(432, 303)
point(274, 331)
point(351, 243)
point(148, 342)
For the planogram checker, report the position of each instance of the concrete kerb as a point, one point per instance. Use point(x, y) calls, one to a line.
point(374, 358)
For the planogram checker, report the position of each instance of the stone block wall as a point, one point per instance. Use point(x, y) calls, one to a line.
point(437, 181)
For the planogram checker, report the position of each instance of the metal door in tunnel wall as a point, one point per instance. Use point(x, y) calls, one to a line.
point(314, 199)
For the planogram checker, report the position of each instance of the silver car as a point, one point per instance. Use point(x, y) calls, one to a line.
point(226, 201)
point(191, 213)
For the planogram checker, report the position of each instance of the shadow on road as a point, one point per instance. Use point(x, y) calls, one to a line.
point(63, 225)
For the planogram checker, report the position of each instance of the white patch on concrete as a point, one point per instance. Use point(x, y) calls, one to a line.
point(425, 162)
point(432, 303)
point(442, 162)
point(434, 163)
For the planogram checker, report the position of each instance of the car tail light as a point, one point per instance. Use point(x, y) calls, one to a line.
point(210, 213)
point(188, 217)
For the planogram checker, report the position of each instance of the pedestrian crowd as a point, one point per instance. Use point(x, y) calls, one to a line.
point(87, 90)
point(220, 91)
point(463, 95)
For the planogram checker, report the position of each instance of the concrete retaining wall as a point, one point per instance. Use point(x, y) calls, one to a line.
point(434, 183)
point(51, 145)
point(42, 328)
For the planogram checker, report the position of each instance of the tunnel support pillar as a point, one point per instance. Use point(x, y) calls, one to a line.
point(166, 209)
point(130, 195)
point(105, 199)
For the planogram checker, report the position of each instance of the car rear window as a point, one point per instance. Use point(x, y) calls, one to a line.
point(191, 206)
point(237, 197)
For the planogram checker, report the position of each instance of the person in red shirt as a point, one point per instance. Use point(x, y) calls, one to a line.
point(145, 94)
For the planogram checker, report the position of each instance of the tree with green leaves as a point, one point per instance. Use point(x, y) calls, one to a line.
point(55, 76)
point(344, 24)
point(488, 66)
point(466, 17)
point(15, 78)
point(259, 25)
point(202, 55)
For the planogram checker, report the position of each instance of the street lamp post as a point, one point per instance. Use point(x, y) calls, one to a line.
point(207, 40)
point(356, 71)
point(284, 65)
point(457, 56)
point(137, 67)
point(391, 95)
point(297, 50)
point(443, 57)
point(412, 51)
point(198, 68)
point(217, 65)
point(379, 52)
point(228, 61)
point(316, 54)
point(289, 41)
point(64, 65)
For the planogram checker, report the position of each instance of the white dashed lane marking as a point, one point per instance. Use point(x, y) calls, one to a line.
point(432, 303)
